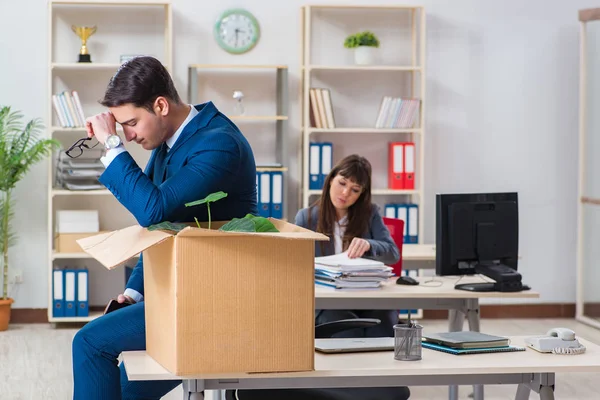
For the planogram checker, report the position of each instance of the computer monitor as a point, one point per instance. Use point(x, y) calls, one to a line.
point(478, 233)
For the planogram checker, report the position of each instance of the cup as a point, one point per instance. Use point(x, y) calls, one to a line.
point(84, 32)
point(407, 342)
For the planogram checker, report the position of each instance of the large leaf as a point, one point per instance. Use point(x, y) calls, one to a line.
point(208, 199)
point(167, 226)
point(239, 225)
point(264, 225)
point(250, 223)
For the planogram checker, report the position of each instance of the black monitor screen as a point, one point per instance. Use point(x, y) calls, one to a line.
point(476, 228)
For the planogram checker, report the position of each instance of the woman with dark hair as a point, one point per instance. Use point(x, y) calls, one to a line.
point(346, 215)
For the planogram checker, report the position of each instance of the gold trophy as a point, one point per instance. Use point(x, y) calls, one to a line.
point(84, 32)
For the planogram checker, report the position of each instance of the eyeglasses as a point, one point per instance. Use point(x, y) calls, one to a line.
point(77, 148)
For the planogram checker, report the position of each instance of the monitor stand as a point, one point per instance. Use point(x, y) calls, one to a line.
point(507, 280)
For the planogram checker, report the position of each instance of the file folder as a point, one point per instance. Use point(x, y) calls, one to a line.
point(82, 293)
point(277, 194)
point(413, 223)
point(326, 161)
point(402, 213)
point(314, 166)
point(409, 166)
point(264, 194)
point(396, 165)
point(390, 211)
point(70, 286)
point(58, 297)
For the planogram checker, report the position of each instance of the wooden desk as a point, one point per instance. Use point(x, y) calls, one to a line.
point(433, 293)
point(529, 369)
point(418, 256)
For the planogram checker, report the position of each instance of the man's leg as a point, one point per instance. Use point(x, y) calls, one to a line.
point(96, 347)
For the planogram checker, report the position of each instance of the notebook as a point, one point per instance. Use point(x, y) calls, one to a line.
point(445, 349)
point(466, 339)
point(354, 345)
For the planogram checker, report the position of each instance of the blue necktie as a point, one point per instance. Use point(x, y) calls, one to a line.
point(159, 164)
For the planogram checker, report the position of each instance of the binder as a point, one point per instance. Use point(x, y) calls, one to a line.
point(82, 293)
point(277, 194)
point(396, 165)
point(389, 211)
point(264, 194)
point(409, 166)
point(413, 223)
point(402, 213)
point(70, 287)
point(326, 161)
point(450, 350)
point(314, 166)
point(58, 297)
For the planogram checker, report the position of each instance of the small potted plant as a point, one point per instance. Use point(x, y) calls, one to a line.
point(364, 45)
point(19, 150)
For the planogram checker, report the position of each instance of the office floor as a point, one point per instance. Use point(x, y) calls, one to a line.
point(35, 362)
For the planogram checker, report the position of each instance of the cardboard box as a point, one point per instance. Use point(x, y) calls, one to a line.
point(222, 301)
point(67, 242)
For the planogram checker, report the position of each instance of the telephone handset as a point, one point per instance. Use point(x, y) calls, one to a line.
point(557, 341)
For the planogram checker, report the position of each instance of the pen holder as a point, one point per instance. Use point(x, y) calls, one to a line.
point(407, 342)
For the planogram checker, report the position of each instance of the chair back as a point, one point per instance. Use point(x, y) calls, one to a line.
point(396, 228)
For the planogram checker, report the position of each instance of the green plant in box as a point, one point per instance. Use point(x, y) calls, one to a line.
point(250, 223)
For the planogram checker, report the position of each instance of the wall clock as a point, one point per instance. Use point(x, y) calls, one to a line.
point(237, 31)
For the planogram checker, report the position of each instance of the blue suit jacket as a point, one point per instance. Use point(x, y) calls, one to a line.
point(383, 247)
point(210, 155)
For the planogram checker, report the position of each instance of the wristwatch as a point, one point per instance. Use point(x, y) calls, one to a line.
point(112, 142)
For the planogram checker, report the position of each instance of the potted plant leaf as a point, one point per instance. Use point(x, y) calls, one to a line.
point(364, 45)
point(20, 149)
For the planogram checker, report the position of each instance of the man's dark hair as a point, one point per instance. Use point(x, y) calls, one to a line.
point(140, 81)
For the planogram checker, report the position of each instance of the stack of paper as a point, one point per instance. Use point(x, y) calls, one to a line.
point(341, 272)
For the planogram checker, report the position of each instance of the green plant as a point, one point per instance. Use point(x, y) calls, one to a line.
point(20, 149)
point(365, 38)
point(250, 223)
point(208, 199)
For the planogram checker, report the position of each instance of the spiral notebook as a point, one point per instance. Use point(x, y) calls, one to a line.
point(446, 349)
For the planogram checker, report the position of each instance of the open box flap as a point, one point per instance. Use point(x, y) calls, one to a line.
point(114, 248)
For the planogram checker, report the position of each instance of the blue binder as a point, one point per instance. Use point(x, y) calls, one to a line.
point(326, 162)
point(314, 166)
point(413, 223)
point(82, 286)
point(389, 211)
point(70, 291)
point(264, 194)
point(402, 213)
point(58, 293)
point(277, 194)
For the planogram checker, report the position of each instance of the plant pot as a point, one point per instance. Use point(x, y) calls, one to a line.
point(364, 55)
point(5, 313)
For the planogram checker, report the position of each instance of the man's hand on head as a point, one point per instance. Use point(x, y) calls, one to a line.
point(101, 126)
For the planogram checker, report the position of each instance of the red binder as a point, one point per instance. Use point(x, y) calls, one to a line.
point(409, 166)
point(396, 165)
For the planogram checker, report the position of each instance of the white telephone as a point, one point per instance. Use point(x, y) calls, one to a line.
point(557, 341)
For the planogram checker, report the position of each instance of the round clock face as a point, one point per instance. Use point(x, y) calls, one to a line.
point(237, 31)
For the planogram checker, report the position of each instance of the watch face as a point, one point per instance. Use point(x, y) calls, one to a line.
point(237, 31)
point(113, 141)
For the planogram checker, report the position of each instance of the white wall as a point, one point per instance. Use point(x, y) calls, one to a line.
point(502, 87)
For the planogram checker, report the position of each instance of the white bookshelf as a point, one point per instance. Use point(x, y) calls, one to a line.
point(317, 62)
point(124, 28)
point(244, 76)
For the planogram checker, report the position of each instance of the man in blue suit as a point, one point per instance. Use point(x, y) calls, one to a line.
point(196, 151)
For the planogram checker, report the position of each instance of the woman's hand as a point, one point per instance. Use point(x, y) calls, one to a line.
point(358, 247)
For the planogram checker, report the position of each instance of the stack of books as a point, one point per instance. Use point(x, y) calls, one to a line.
point(467, 342)
point(341, 272)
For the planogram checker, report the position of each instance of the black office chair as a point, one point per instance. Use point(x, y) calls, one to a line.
point(323, 331)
